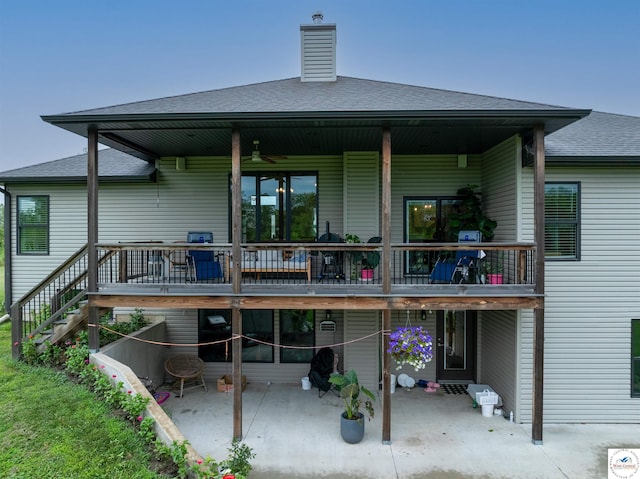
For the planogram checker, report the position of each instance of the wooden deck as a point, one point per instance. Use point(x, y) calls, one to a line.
point(318, 294)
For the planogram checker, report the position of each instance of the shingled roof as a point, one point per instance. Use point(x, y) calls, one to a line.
point(599, 137)
point(346, 94)
point(113, 166)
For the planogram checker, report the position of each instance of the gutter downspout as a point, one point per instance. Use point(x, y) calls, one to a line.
point(16, 321)
point(7, 249)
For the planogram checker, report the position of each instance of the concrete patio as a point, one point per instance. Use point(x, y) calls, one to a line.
point(295, 434)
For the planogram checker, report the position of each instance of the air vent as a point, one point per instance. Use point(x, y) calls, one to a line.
point(328, 326)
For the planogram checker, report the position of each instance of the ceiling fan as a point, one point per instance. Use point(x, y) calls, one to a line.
point(256, 156)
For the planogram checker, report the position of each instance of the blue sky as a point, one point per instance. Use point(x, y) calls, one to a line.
point(63, 55)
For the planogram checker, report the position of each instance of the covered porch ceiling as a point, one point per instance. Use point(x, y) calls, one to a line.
point(319, 134)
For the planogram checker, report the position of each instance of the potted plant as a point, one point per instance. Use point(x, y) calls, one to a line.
point(352, 419)
point(494, 268)
point(469, 215)
point(367, 260)
point(411, 345)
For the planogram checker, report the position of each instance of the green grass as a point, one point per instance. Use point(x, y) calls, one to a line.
point(53, 428)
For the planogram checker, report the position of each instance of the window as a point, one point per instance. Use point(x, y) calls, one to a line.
point(297, 329)
point(562, 221)
point(214, 332)
point(279, 206)
point(33, 224)
point(635, 358)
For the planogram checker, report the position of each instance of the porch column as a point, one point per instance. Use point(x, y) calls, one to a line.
point(236, 315)
point(538, 327)
point(386, 283)
point(92, 234)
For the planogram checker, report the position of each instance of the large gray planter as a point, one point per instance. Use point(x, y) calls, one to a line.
point(352, 430)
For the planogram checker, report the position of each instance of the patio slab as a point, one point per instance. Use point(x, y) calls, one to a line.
point(294, 433)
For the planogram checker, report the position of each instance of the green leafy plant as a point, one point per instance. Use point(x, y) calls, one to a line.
point(30, 353)
point(112, 331)
point(365, 259)
point(469, 215)
point(494, 264)
point(177, 452)
point(351, 392)
point(238, 461)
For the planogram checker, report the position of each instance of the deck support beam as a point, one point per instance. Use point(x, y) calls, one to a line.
point(386, 284)
point(236, 314)
point(92, 235)
point(538, 326)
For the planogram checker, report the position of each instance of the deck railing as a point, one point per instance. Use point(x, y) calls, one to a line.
point(328, 263)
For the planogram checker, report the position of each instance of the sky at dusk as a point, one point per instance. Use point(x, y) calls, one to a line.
point(63, 56)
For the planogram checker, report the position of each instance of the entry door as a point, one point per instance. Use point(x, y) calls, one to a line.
point(456, 345)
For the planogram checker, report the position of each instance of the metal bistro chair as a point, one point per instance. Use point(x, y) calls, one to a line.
point(184, 368)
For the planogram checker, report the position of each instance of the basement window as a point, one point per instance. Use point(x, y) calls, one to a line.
point(214, 336)
point(297, 329)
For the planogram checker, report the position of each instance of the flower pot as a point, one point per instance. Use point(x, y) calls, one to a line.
point(352, 430)
point(366, 274)
point(494, 278)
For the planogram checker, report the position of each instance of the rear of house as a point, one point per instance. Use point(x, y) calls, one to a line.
point(368, 166)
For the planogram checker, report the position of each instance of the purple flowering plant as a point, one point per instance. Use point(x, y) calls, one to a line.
point(411, 345)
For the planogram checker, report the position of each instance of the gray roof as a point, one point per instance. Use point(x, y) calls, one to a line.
point(291, 117)
point(346, 94)
point(596, 138)
point(113, 165)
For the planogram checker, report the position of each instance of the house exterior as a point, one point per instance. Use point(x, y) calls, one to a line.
point(282, 171)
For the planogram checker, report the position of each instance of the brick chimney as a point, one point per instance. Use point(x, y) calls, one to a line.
point(318, 50)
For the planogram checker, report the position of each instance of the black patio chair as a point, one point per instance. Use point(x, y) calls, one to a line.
point(323, 364)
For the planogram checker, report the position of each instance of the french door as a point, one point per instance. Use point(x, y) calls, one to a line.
point(456, 345)
point(279, 206)
point(425, 221)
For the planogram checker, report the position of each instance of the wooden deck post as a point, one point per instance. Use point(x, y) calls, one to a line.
point(236, 315)
point(386, 283)
point(538, 327)
point(92, 234)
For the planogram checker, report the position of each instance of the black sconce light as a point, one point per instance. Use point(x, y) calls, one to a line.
point(423, 315)
point(328, 315)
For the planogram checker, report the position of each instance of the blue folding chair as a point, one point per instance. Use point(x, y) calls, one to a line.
point(464, 267)
point(203, 265)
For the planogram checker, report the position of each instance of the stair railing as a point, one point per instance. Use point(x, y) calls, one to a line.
point(50, 299)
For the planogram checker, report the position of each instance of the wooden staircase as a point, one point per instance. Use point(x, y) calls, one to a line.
point(55, 309)
point(67, 327)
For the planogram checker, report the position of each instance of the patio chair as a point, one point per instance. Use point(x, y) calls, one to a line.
point(323, 364)
point(464, 267)
point(202, 265)
point(185, 368)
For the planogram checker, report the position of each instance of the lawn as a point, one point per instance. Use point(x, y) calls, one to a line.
point(53, 428)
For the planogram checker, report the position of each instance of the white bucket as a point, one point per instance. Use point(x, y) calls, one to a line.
point(393, 383)
point(306, 384)
point(487, 410)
